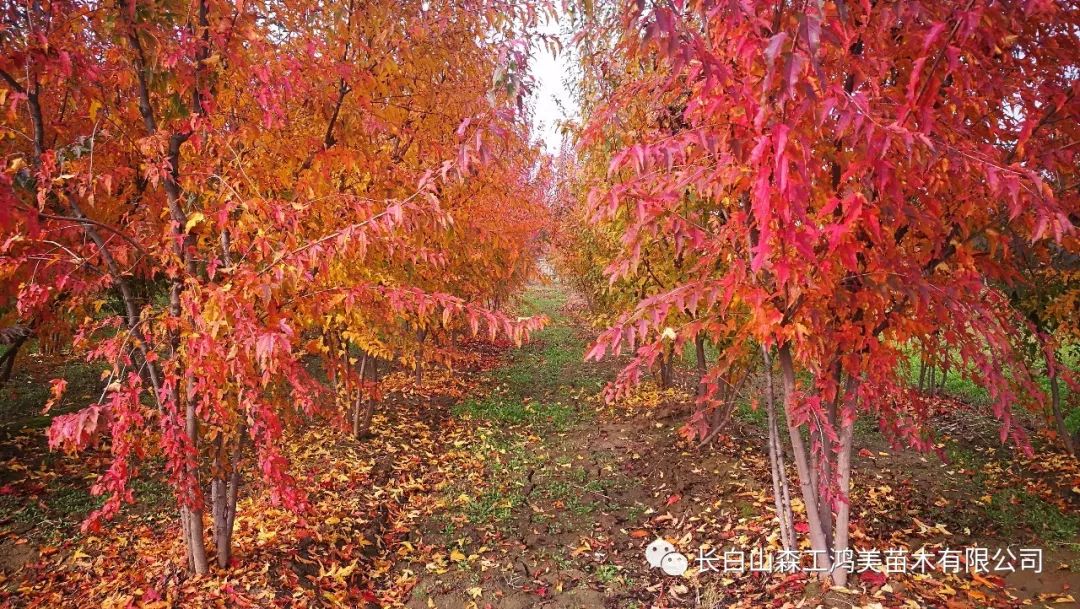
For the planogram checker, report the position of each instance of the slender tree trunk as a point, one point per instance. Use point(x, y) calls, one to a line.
point(369, 408)
point(699, 352)
point(722, 414)
point(843, 469)
point(922, 372)
point(781, 494)
point(364, 429)
point(224, 492)
point(420, 336)
point(185, 533)
point(219, 515)
point(802, 461)
point(932, 384)
point(666, 365)
point(344, 365)
point(218, 483)
point(195, 540)
point(944, 373)
point(7, 361)
point(1055, 403)
point(824, 478)
point(232, 493)
point(359, 398)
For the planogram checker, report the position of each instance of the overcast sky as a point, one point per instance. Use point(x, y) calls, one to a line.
point(551, 97)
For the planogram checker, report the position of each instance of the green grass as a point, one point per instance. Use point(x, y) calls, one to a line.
point(956, 384)
point(965, 388)
point(152, 491)
point(533, 389)
point(529, 389)
point(26, 393)
point(550, 363)
point(73, 502)
point(492, 506)
point(757, 417)
point(513, 458)
point(1015, 510)
point(20, 511)
point(561, 561)
point(607, 574)
point(509, 411)
point(544, 300)
point(967, 458)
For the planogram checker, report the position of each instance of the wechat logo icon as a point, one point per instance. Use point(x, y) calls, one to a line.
point(662, 554)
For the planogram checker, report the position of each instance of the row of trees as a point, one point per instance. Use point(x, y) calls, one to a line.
point(821, 189)
point(207, 195)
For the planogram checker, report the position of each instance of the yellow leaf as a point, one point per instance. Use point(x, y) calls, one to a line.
point(457, 556)
point(475, 592)
point(332, 520)
point(346, 571)
point(192, 220)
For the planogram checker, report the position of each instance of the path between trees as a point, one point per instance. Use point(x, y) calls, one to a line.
point(511, 484)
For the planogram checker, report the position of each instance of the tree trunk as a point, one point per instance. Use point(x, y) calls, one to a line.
point(364, 429)
point(219, 515)
point(944, 373)
point(842, 527)
point(802, 461)
point(781, 494)
point(922, 372)
point(699, 352)
point(824, 508)
point(369, 412)
point(1055, 403)
point(232, 494)
point(932, 384)
point(359, 398)
point(7, 361)
point(224, 492)
point(194, 517)
point(666, 365)
point(420, 336)
point(185, 533)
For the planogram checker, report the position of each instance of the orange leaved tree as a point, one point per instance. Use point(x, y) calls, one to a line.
point(208, 185)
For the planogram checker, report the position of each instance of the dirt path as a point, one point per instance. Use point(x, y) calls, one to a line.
point(571, 486)
point(575, 489)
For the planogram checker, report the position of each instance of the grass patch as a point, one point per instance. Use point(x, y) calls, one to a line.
point(1015, 510)
point(26, 393)
point(71, 502)
point(492, 506)
point(607, 574)
point(956, 384)
point(509, 411)
point(964, 457)
point(754, 416)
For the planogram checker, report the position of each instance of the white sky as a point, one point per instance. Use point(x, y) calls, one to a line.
point(551, 97)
